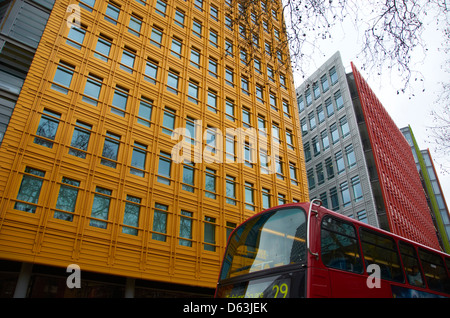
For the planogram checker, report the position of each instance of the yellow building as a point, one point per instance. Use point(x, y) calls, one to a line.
point(144, 132)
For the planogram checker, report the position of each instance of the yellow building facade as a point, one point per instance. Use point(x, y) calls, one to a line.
point(145, 131)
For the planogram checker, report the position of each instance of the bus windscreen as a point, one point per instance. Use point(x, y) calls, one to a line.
point(266, 241)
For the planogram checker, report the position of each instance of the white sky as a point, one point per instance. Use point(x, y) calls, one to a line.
point(403, 108)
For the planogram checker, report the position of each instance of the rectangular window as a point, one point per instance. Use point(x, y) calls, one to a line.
point(289, 139)
point(87, 4)
point(186, 221)
point(320, 114)
point(320, 174)
point(345, 130)
point(145, 112)
point(151, 71)
point(48, 126)
point(100, 208)
point(197, 28)
point(266, 198)
point(315, 145)
point(112, 13)
point(195, 58)
point(339, 100)
point(119, 102)
point(311, 179)
point(312, 120)
point(103, 48)
point(67, 199)
point(131, 215)
point(307, 151)
point(212, 101)
point(357, 190)
point(161, 8)
point(325, 140)
point(164, 168)
point(127, 61)
point(264, 161)
point(329, 168)
point(229, 77)
point(329, 107)
point(259, 93)
point(245, 86)
point(210, 183)
point(75, 37)
point(279, 168)
point(30, 189)
point(273, 102)
point(160, 222)
point(213, 38)
point(381, 250)
point(230, 148)
point(80, 139)
point(110, 150)
point(324, 82)
point(168, 121)
point(212, 67)
point(334, 133)
point(362, 216)
point(134, 27)
point(92, 89)
point(316, 90)
point(345, 194)
point(172, 82)
point(176, 48)
point(350, 154)
point(249, 196)
point(156, 37)
point(230, 190)
point(324, 199)
point(411, 264)
point(193, 90)
point(188, 176)
point(340, 164)
point(281, 199)
point(293, 173)
point(179, 18)
point(334, 199)
point(209, 234)
point(63, 77)
point(229, 109)
point(229, 48)
point(138, 159)
point(333, 75)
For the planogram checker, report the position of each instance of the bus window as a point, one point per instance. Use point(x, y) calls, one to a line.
point(411, 265)
point(434, 269)
point(339, 245)
point(381, 250)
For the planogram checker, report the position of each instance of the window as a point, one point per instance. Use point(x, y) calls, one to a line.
point(334, 133)
point(30, 189)
point(320, 174)
point(134, 27)
point(210, 183)
point(127, 61)
point(195, 58)
point(308, 97)
point(264, 160)
point(229, 77)
point(315, 145)
point(325, 140)
point(179, 18)
point(381, 250)
point(63, 77)
point(190, 135)
point(411, 264)
point(281, 199)
point(266, 198)
point(67, 198)
point(92, 89)
point(230, 148)
point(345, 194)
point(249, 196)
point(350, 154)
point(307, 151)
point(246, 117)
point(160, 222)
point(362, 216)
point(214, 12)
point(245, 86)
point(48, 126)
point(293, 173)
point(340, 164)
point(257, 64)
point(176, 48)
point(339, 245)
point(211, 138)
point(228, 23)
point(312, 120)
point(209, 234)
point(286, 110)
point(316, 90)
point(186, 221)
point(301, 103)
point(100, 208)
point(164, 168)
point(193, 92)
point(75, 37)
point(138, 159)
point(249, 154)
point(229, 109)
point(198, 4)
point(345, 130)
point(156, 37)
point(103, 48)
point(80, 139)
point(324, 82)
point(213, 38)
point(329, 107)
point(119, 102)
point(320, 114)
point(161, 8)
point(270, 73)
point(329, 167)
point(333, 75)
point(311, 179)
point(151, 71)
point(273, 102)
point(338, 99)
point(172, 82)
point(110, 150)
point(304, 126)
point(324, 199)
point(434, 270)
point(197, 29)
point(145, 112)
point(213, 67)
point(259, 93)
point(243, 56)
point(112, 13)
point(131, 215)
point(212, 101)
point(289, 139)
point(334, 199)
point(188, 176)
point(230, 189)
point(87, 4)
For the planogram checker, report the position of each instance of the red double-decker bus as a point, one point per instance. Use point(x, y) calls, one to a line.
point(304, 250)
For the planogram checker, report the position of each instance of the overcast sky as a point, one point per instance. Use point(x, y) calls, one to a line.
point(403, 108)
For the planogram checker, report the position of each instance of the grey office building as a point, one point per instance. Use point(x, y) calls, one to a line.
point(336, 167)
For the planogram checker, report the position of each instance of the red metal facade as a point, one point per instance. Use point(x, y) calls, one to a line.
point(403, 195)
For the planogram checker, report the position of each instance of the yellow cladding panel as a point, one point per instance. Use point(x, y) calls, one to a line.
point(90, 173)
